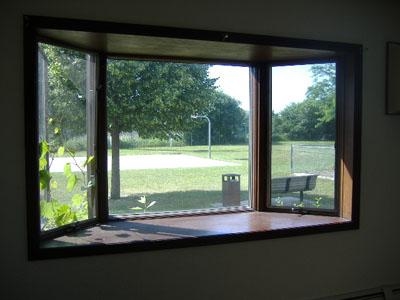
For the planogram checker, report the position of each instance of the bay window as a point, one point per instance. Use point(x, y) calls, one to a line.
point(135, 147)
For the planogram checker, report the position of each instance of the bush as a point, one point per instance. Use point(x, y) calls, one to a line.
point(131, 140)
point(127, 141)
point(278, 137)
point(77, 143)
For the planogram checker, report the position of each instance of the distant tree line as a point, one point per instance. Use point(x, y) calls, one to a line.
point(229, 123)
point(313, 118)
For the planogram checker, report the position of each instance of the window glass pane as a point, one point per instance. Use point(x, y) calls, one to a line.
point(178, 136)
point(303, 136)
point(65, 114)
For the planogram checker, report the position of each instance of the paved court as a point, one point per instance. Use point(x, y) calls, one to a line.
point(141, 162)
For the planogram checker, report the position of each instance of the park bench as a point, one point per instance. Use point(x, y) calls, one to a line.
point(295, 183)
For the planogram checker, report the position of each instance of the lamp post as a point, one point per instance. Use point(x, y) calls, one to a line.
point(209, 131)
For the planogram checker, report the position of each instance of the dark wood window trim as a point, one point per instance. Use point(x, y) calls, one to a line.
point(260, 53)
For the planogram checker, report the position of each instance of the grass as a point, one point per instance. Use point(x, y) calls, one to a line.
point(199, 188)
point(184, 188)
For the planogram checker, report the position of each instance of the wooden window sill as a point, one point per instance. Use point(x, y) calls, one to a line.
point(132, 235)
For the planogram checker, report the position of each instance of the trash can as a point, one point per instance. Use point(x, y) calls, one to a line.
point(230, 189)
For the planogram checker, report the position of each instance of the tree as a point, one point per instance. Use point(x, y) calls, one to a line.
point(66, 103)
point(155, 99)
point(277, 128)
point(323, 90)
point(229, 122)
point(314, 118)
point(299, 121)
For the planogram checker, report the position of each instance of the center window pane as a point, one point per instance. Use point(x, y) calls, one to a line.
point(178, 136)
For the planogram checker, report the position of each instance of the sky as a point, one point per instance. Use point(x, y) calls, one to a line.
point(289, 84)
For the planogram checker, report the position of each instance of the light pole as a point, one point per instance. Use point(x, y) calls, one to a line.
point(209, 131)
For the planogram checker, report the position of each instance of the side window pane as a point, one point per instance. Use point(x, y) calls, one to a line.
point(66, 140)
point(177, 140)
point(303, 136)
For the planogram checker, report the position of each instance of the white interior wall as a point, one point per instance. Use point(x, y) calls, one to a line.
point(290, 268)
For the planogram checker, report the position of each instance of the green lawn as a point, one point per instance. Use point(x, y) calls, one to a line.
point(182, 188)
point(199, 188)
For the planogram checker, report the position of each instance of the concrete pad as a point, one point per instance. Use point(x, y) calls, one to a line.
point(141, 162)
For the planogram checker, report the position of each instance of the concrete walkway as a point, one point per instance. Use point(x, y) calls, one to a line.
point(140, 162)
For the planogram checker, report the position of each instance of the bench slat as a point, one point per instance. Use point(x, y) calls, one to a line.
point(293, 183)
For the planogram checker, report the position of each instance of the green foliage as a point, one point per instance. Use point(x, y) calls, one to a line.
point(299, 205)
point(44, 174)
point(71, 177)
point(229, 122)
point(144, 204)
point(314, 118)
point(301, 121)
point(156, 99)
point(317, 203)
point(44, 179)
point(66, 103)
point(61, 151)
point(88, 161)
point(279, 201)
point(128, 141)
point(55, 213)
point(76, 143)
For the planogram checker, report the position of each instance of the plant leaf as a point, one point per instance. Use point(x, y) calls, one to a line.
point(44, 148)
point(136, 208)
point(61, 151)
point(53, 184)
point(142, 200)
point(46, 209)
point(151, 204)
point(89, 160)
point(42, 163)
point(44, 179)
point(90, 184)
point(67, 169)
point(77, 200)
point(64, 215)
point(71, 182)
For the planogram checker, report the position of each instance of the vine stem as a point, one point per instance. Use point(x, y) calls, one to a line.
point(72, 155)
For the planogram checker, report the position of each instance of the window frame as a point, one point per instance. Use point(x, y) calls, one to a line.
point(348, 58)
point(91, 82)
point(339, 136)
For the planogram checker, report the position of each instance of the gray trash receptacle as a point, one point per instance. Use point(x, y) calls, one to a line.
point(230, 189)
